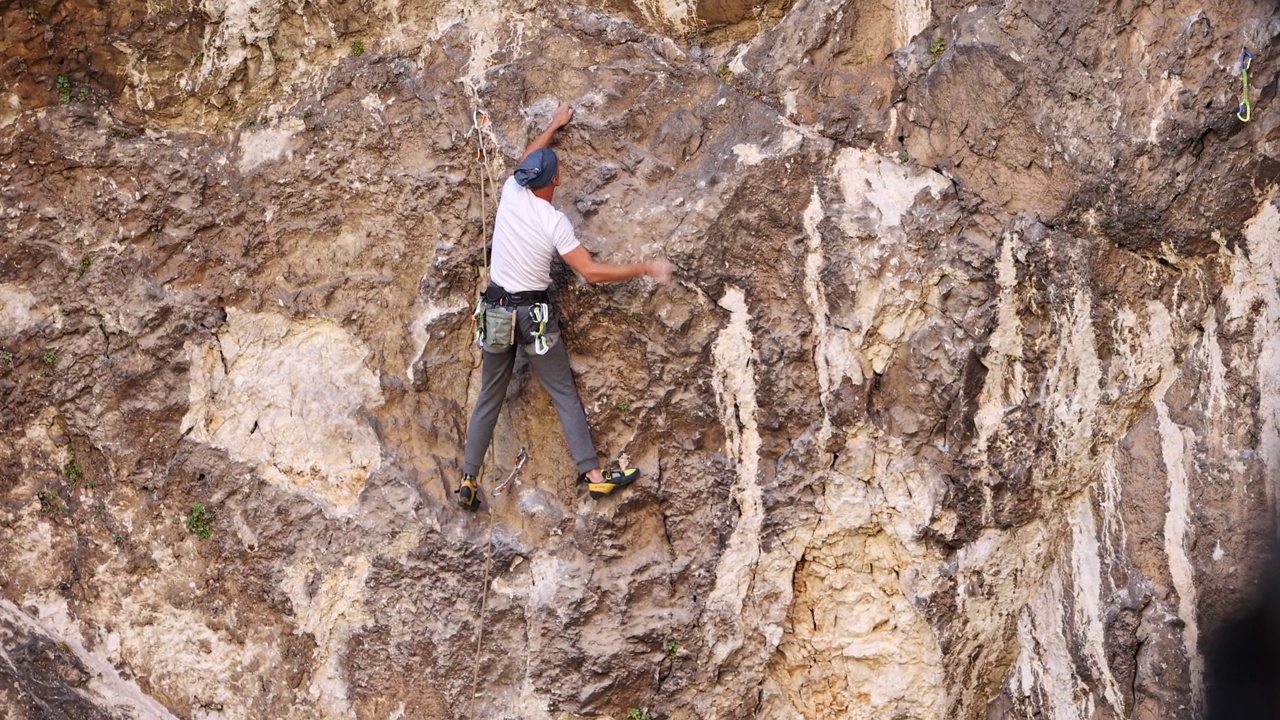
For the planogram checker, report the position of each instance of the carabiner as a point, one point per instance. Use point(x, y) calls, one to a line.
point(521, 459)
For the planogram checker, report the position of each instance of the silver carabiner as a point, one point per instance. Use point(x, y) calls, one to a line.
point(521, 459)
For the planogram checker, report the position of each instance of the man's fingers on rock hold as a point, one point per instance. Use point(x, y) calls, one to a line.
point(563, 114)
point(660, 270)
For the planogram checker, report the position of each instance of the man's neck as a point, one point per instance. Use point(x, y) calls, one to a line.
point(546, 193)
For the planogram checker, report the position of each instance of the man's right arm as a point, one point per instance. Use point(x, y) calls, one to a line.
point(559, 119)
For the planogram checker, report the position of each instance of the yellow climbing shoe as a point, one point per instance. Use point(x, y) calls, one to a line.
point(469, 493)
point(611, 480)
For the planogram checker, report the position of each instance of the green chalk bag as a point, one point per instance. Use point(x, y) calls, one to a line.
point(499, 328)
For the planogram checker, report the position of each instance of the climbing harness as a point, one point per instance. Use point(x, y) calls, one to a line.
point(521, 459)
point(541, 314)
point(1245, 112)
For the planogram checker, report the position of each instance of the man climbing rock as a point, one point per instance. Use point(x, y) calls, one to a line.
point(516, 312)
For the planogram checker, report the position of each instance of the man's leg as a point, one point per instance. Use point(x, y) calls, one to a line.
point(495, 376)
point(556, 377)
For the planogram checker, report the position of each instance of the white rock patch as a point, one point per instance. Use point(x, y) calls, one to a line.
point(286, 396)
point(1173, 444)
point(735, 386)
point(868, 178)
point(105, 685)
point(331, 610)
point(17, 310)
point(269, 144)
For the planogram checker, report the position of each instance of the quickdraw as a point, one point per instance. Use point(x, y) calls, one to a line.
point(541, 314)
point(477, 321)
point(479, 123)
point(521, 459)
point(1245, 111)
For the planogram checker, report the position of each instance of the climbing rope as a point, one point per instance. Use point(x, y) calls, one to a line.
point(484, 601)
point(521, 459)
point(1245, 112)
point(471, 356)
point(480, 126)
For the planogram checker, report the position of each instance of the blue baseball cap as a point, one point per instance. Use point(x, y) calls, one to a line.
point(538, 170)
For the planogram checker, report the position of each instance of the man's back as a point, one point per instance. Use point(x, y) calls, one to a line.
point(527, 234)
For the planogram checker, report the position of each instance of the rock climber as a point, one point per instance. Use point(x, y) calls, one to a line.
point(516, 311)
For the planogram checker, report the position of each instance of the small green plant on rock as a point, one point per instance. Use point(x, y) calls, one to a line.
point(200, 521)
point(50, 360)
point(625, 406)
point(51, 501)
point(73, 471)
point(357, 49)
point(937, 47)
point(638, 714)
point(672, 648)
point(744, 84)
point(64, 89)
point(85, 262)
point(82, 94)
point(6, 356)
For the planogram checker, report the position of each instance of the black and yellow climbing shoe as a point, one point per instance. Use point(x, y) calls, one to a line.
point(469, 493)
point(611, 480)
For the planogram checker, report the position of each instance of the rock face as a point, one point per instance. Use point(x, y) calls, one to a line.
point(964, 402)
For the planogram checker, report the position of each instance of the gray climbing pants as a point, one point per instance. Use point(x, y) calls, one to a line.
point(553, 372)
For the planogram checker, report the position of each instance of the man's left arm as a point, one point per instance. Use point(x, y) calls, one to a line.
point(559, 119)
point(594, 272)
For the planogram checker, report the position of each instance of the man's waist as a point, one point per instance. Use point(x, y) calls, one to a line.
point(499, 295)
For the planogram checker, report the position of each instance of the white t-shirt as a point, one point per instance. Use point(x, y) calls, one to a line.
point(527, 234)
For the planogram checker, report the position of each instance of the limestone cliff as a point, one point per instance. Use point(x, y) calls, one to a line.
point(964, 401)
